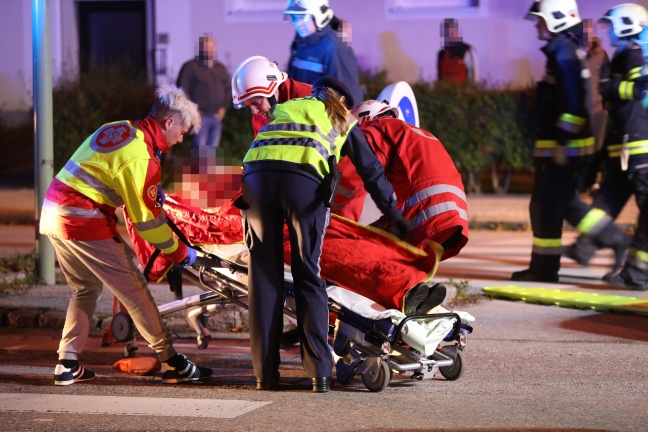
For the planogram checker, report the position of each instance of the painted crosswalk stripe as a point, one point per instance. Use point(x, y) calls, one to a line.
point(170, 407)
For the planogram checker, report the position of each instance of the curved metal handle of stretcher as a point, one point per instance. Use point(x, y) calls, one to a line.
point(211, 260)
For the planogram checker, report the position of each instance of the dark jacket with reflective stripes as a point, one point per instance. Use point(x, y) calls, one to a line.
point(563, 94)
point(627, 115)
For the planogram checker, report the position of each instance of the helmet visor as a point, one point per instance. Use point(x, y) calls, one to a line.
point(534, 12)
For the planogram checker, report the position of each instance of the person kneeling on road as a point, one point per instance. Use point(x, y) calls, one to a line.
point(116, 166)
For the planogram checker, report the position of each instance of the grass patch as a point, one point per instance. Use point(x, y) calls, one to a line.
point(18, 272)
point(464, 296)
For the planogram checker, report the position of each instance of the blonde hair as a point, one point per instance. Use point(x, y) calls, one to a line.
point(335, 108)
point(171, 101)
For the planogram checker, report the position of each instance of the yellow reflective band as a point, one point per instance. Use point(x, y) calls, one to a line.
point(575, 143)
point(590, 220)
point(547, 243)
point(570, 118)
point(634, 73)
point(635, 148)
point(626, 90)
point(640, 255)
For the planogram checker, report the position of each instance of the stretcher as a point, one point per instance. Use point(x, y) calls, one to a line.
point(367, 339)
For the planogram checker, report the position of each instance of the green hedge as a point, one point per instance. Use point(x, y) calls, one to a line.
point(482, 128)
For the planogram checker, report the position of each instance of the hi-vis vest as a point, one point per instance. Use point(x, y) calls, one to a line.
point(301, 132)
point(115, 166)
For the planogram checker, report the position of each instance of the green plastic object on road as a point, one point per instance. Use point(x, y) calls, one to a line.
point(569, 298)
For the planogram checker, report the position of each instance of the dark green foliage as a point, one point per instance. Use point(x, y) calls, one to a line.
point(102, 95)
point(482, 128)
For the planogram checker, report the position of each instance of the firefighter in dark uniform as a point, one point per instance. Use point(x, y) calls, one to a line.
point(564, 142)
point(626, 148)
point(288, 178)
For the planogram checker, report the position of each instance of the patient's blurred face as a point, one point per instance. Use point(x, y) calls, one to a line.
point(258, 105)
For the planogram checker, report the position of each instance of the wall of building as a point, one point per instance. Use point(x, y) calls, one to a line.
point(403, 42)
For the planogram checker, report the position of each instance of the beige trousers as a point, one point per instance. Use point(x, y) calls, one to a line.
point(88, 266)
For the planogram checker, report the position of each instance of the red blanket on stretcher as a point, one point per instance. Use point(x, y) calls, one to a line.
point(362, 259)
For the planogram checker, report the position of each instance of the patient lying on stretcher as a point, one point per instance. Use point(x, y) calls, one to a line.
point(365, 260)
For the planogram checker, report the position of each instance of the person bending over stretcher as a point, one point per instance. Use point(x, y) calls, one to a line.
point(258, 83)
point(428, 188)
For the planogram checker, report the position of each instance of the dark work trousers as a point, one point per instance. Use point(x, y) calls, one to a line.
point(272, 197)
point(554, 192)
point(616, 189)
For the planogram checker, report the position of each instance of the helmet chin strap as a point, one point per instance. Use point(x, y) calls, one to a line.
point(272, 100)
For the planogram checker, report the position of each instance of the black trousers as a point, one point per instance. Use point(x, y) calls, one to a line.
point(272, 197)
point(616, 189)
point(552, 200)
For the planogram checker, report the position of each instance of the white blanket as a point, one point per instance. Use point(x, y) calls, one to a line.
point(422, 335)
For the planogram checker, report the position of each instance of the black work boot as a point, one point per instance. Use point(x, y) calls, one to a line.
point(582, 250)
point(530, 275)
point(623, 281)
point(612, 237)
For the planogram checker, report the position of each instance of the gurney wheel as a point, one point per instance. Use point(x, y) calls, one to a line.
point(457, 369)
point(122, 327)
point(380, 381)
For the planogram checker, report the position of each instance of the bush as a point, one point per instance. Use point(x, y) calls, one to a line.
point(483, 129)
point(104, 94)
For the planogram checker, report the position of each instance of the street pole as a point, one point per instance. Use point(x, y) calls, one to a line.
point(43, 130)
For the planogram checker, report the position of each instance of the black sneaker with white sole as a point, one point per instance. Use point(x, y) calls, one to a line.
point(180, 369)
point(70, 375)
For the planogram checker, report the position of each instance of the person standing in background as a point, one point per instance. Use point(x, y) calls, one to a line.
point(207, 83)
point(456, 62)
point(317, 49)
point(626, 171)
point(564, 142)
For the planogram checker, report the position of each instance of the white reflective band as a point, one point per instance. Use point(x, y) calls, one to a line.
point(69, 211)
point(437, 209)
point(435, 190)
point(308, 65)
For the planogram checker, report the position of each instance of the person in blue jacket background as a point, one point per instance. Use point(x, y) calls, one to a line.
point(317, 49)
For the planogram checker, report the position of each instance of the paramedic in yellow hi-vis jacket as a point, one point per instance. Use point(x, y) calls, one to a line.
point(288, 178)
point(564, 142)
point(116, 166)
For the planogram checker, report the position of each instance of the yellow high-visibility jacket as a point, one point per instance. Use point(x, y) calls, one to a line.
point(115, 166)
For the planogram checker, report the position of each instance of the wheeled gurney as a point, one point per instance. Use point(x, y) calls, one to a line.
point(368, 339)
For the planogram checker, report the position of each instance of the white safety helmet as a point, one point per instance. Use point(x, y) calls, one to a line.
point(627, 19)
point(370, 109)
point(319, 9)
point(558, 14)
point(255, 76)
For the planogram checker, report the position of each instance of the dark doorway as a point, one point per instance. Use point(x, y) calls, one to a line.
point(112, 31)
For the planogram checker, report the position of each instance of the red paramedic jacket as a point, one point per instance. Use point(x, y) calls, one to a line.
point(428, 186)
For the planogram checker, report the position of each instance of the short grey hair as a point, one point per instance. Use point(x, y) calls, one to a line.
point(172, 101)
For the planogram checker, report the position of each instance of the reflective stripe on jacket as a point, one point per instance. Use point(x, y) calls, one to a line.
point(289, 89)
point(428, 187)
point(301, 132)
point(115, 166)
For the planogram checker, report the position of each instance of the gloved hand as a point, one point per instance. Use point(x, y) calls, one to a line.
point(161, 197)
point(190, 258)
point(399, 226)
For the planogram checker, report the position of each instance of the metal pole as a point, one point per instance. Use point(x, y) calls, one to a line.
point(43, 130)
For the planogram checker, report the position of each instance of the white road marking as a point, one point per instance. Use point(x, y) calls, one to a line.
point(170, 407)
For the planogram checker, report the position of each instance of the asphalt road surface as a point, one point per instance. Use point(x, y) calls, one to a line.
point(529, 367)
